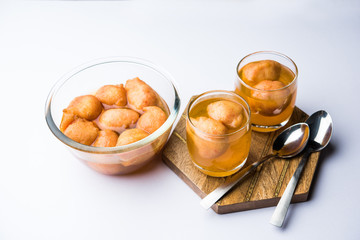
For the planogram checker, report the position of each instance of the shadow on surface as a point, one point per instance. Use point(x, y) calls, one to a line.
point(323, 158)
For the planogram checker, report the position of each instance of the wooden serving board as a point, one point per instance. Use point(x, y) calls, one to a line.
point(261, 189)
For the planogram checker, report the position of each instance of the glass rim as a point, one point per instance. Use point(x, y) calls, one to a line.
point(247, 107)
point(273, 53)
point(174, 110)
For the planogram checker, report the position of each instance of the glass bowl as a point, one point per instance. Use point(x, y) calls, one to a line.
point(86, 79)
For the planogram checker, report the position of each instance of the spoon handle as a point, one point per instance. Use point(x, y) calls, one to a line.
point(278, 217)
point(220, 191)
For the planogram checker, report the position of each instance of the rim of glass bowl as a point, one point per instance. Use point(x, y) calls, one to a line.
point(272, 53)
point(219, 135)
point(174, 110)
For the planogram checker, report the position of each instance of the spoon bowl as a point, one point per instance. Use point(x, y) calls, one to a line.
point(321, 127)
point(291, 141)
point(288, 144)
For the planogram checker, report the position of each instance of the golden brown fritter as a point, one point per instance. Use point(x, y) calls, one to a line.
point(153, 118)
point(87, 107)
point(106, 138)
point(261, 70)
point(117, 118)
point(208, 147)
point(227, 112)
point(66, 120)
point(82, 131)
point(112, 95)
point(131, 136)
point(269, 102)
point(209, 126)
point(139, 94)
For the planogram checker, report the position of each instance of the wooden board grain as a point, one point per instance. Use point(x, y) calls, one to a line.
point(261, 189)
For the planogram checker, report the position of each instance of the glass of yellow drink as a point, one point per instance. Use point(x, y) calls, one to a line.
point(268, 82)
point(218, 132)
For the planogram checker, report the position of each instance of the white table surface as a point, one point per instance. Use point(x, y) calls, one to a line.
point(45, 193)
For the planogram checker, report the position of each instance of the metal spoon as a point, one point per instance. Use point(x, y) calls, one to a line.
point(288, 144)
point(320, 124)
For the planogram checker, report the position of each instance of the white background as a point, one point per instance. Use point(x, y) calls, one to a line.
point(45, 193)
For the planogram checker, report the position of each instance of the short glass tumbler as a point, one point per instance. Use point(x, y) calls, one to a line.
point(89, 77)
point(217, 155)
point(268, 82)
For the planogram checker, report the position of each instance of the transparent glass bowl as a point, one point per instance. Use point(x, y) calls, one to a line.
point(86, 79)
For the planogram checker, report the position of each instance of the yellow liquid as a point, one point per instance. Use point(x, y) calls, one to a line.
point(218, 155)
